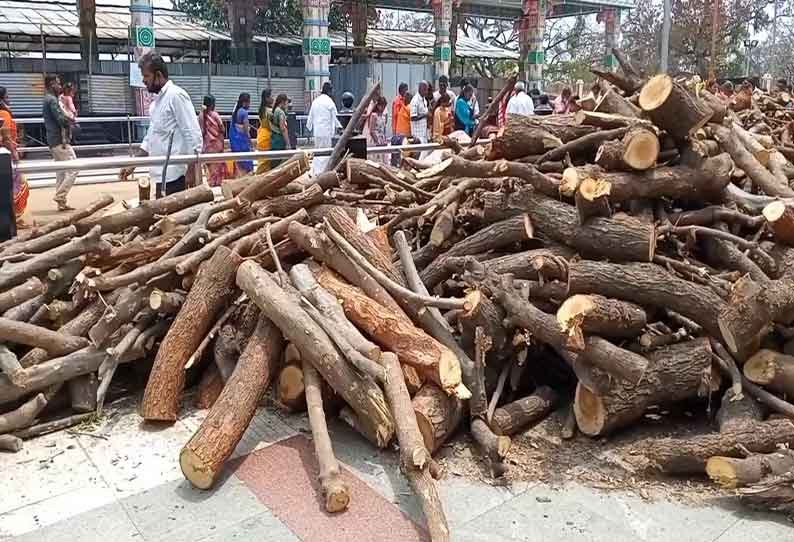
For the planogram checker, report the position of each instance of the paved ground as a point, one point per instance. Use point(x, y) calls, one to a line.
point(42, 208)
point(119, 481)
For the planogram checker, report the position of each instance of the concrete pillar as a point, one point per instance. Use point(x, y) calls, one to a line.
point(87, 22)
point(241, 15)
point(316, 47)
point(533, 52)
point(142, 40)
point(442, 51)
point(358, 10)
point(611, 19)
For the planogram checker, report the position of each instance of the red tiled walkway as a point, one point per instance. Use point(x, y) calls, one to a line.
point(284, 477)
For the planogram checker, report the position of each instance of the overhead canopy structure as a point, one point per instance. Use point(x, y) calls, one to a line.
point(512, 9)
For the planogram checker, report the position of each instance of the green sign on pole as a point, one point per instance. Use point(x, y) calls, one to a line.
point(144, 36)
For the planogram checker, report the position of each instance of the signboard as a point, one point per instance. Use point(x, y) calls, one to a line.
point(136, 77)
point(143, 37)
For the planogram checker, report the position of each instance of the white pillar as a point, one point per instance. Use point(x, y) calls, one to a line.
point(611, 19)
point(532, 49)
point(442, 51)
point(142, 40)
point(316, 47)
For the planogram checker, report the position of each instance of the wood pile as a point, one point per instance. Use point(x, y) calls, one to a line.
point(634, 256)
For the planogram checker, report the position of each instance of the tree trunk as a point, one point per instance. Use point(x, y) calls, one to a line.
point(19, 294)
point(780, 217)
point(213, 288)
point(513, 417)
point(638, 150)
point(203, 456)
point(361, 393)
point(209, 387)
point(672, 107)
point(674, 373)
point(598, 315)
point(42, 243)
point(607, 121)
point(612, 102)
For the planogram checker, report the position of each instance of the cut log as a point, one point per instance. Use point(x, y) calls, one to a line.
point(612, 102)
point(433, 360)
point(53, 426)
point(275, 179)
point(522, 137)
point(780, 217)
point(10, 443)
point(437, 414)
point(598, 315)
point(637, 150)
point(213, 289)
point(210, 387)
point(607, 121)
point(457, 166)
point(203, 457)
point(745, 160)
point(362, 394)
point(130, 302)
point(772, 370)
point(674, 373)
point(291, 388)
point(13, 274)
point(23, 416)
point(335, 490)
point(444, 225)
point(513, 417)
point(672, 107)
point(55, 343)
point(689, 455)
point(733, 472)
point(647, 285)
point(414, 457)
point(737, 411)
point(165, 302)
point(19, 294)
point(291, 203)
point(10, 366)
point(42, 243)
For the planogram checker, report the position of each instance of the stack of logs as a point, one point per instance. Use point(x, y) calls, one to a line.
point(614, 260)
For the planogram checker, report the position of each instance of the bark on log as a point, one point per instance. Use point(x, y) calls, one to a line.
point(457, 166)
point(689, 455)
point(203, 457)
point(213, 288)
point(24, 415)
point(55, 343)
point(745, 160)
point(780, 217)
point(522, 137)
point(10, 366)
point(647, 285)
point(209, 387)
point(13, 274)
point(598, 315)
point(275, 179)
point(733, 472)
point(42, 243)
point(291, 203)
point(10, 443)
point(19, 294)
point(414, 457)
point(362, 394)
point(637, 150)
point(672, 107)
point(53, 426)
point(612, 102)
point(513, 417)
point(674, 373)
point(165, 302)
point(83, 393)
point(772, 370)
point(607, 121)
point(737, 410)
point(335, 490)
point(438, 415)
point(414, 347)
point(323, 249)
point(586, 145)
point(620, 238)
point(130, 302)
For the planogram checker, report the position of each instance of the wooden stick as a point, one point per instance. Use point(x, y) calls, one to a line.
point(335, 490)
point(53, 342)
point(23, 416)
point(53, 426)
point(414, 457)
point(355, 118)
point(493, 107)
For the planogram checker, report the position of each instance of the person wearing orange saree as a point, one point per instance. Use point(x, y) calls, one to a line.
point(8, 140)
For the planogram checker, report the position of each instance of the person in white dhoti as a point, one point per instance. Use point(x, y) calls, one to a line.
point(322, 122)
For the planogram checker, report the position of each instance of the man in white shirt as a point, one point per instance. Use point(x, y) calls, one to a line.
point(323, 122)
point(419, 113)
point(521, 103)
point(443, 86)
point(171, 112)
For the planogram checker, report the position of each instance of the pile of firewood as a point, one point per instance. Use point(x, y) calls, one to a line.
point(629, 257)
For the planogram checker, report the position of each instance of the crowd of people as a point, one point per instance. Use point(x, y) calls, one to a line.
point(417, 117)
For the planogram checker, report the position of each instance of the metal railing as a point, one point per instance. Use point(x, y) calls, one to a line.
point(118, 162)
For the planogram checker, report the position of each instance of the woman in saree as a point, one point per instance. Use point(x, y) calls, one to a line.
point(240, 134)
point(8, 140)
point(213, 132)
point(263, 134)
point(279, 135)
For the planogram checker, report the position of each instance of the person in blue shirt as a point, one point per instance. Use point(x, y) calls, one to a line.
point(464, 115)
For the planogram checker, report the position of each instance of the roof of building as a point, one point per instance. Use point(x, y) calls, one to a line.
point(59, 22)
point(405, 43)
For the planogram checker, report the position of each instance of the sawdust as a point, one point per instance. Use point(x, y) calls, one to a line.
point(613, 464)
